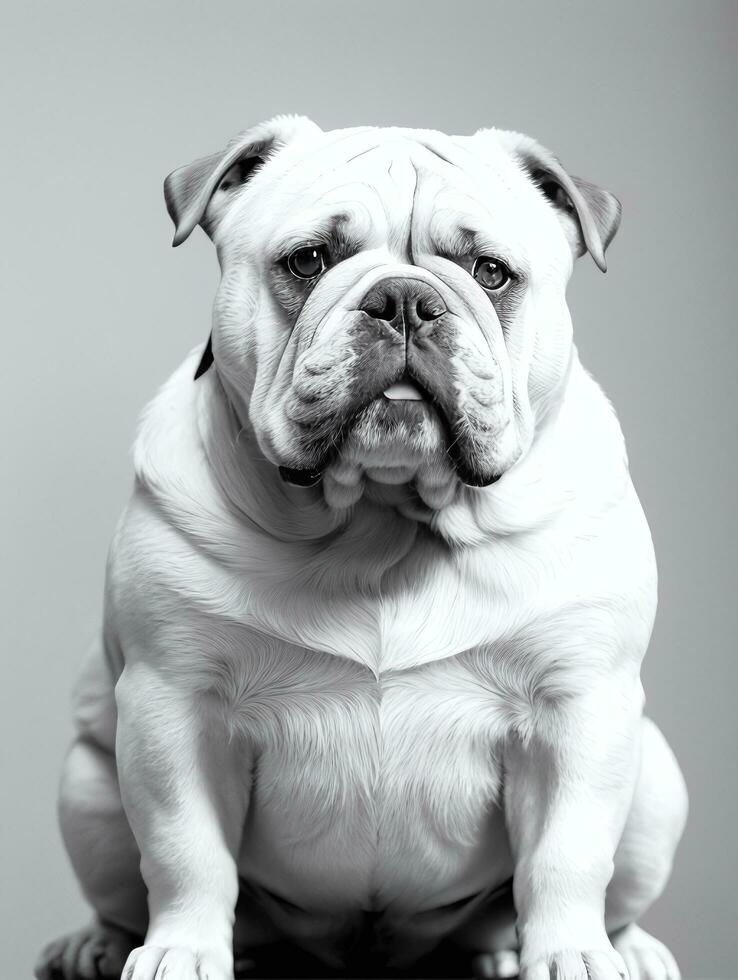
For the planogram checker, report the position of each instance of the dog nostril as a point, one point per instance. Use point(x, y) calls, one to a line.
point(383, 308)
point(428, 309)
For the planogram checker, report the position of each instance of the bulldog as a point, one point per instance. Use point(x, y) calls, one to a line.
point(375, 613)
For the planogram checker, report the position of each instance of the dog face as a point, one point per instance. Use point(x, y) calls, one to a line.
point(392, 301)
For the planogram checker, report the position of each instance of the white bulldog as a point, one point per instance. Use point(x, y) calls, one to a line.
point(376, 611)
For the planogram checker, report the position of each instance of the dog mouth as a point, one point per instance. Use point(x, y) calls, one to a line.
point(401, 399)
point(405, 406)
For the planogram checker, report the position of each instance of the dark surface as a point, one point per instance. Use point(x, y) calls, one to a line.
point(281, 960)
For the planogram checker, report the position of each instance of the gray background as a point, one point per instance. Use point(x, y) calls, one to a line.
point(103, 99)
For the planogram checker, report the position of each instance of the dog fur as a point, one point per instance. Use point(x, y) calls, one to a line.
point(394, 690)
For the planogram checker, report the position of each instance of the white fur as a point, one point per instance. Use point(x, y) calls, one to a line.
point(377, 702)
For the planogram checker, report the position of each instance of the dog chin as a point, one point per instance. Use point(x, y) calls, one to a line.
point(394, 452)
point(395, 433)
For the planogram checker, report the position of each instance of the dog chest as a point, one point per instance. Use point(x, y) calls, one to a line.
point(375, 787)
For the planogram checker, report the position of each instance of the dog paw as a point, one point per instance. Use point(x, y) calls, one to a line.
point(645, 957)
point(175, 963)
point(572, 964)
point(97, 952)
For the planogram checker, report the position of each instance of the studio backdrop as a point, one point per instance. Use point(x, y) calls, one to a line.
point(101, 100)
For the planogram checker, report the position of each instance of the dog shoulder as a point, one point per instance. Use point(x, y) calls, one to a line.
point(168, 453)
point(588, 574)
point(165, 569)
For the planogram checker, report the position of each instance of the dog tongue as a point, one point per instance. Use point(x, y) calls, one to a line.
point(403, 390)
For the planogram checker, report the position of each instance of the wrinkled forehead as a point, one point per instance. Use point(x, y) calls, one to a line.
point(397, 186)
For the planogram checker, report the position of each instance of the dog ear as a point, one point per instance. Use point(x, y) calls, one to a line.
point(189, 190)
point(589, 214)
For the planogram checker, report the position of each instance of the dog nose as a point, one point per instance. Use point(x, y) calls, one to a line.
point(403, 303)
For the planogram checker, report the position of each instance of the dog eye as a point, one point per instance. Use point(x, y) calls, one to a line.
point(307, 262)
point(491, 273)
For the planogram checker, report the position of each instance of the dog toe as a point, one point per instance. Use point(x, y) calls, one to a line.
point(647, 958)
point(96, 952)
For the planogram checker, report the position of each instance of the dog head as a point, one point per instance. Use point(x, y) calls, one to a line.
point(392, 302)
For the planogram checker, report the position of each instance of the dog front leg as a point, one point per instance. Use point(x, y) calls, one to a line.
point(568, 787)
point(185, 797)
